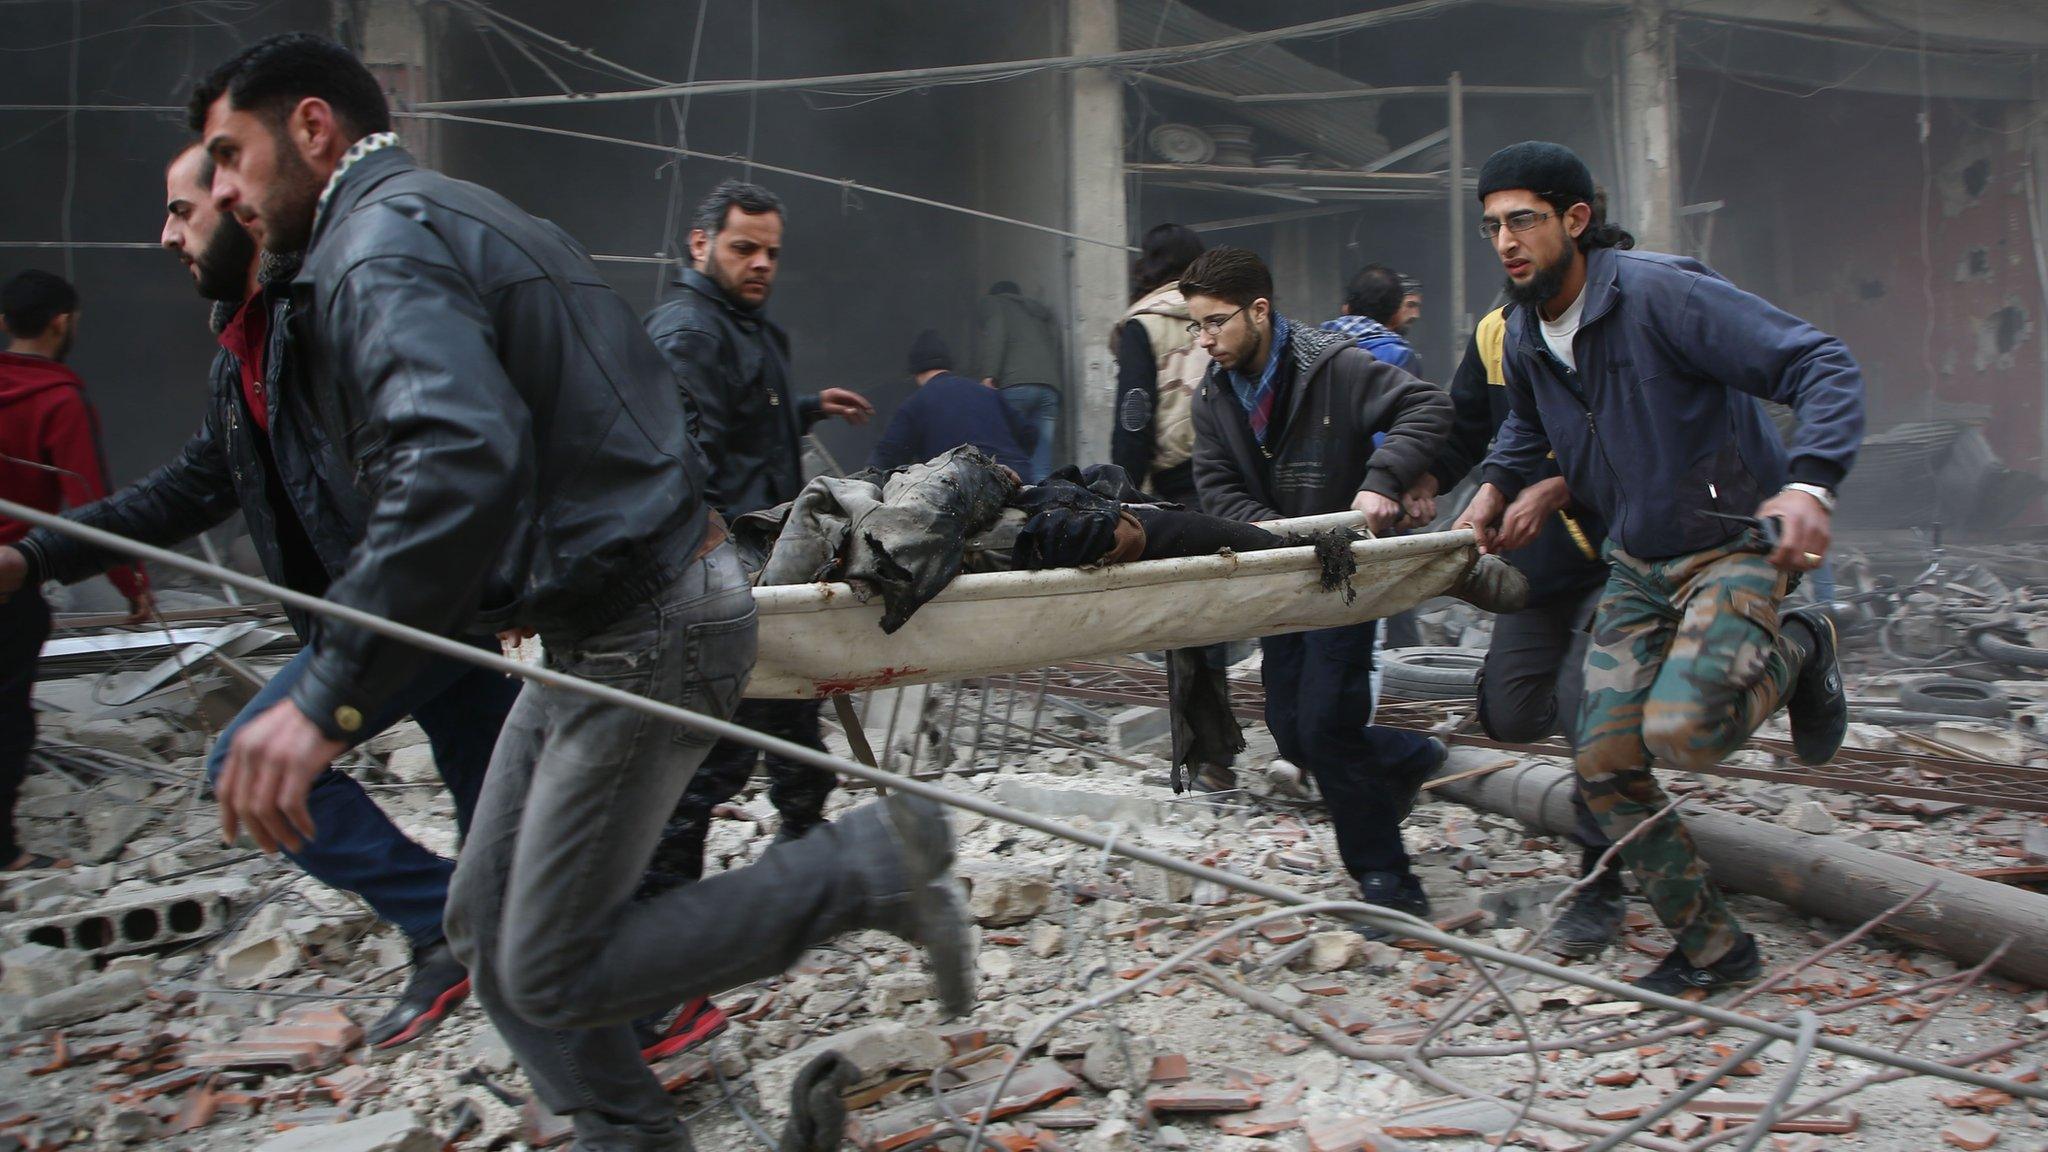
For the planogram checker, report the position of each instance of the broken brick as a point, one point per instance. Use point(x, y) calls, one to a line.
point(1195, 1098)
point(1341, 1134)
point(1970, 1134)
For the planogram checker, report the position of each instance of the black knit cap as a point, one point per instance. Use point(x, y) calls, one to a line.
point(929, 351)
point(1552, 171)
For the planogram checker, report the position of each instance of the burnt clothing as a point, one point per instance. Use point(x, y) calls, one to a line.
point(1330, 399)
point(732, 364)
point(519, 438)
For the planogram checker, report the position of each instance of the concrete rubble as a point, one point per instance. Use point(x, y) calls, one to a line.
point(182, 994)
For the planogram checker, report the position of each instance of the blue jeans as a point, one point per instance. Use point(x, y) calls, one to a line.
point(1038, 406)
point(357, 848)
point(1318, 706)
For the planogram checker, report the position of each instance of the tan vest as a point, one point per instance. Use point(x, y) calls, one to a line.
point(1182, 364)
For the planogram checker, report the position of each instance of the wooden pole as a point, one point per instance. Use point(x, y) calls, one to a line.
point(1965, 918)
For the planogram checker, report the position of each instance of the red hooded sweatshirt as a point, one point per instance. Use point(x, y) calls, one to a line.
point(45, 418)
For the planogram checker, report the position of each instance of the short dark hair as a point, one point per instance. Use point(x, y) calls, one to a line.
point(277, 72)
point(1233, 274)
point(206, 165)
point(1375, 292)
point(751, 199)
point(33, 298)
point(1164, 253)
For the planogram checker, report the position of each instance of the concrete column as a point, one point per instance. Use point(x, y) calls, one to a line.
point(1457, 323)
point(1095, 207)
point(2036, 170)
point(1648, 130)
point(398, 49)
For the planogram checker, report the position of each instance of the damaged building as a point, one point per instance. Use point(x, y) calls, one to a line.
point(1147, 981)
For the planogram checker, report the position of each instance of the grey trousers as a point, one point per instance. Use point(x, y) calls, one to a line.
point(541, 906)
point(1534, 680)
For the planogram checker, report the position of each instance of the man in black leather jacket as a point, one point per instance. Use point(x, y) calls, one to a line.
point(527, 464)
point(303, 515)
point(732, 363)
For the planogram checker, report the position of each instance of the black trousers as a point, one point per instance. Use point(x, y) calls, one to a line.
point(1534, 681)
point(24, 625)
point(798, 791)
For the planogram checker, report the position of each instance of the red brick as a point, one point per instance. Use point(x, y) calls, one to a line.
point(1198, 1098)
point(1970, 1134)
point(1171, 1068)
point(1262, 1122)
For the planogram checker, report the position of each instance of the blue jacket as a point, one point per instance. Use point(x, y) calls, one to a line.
point(1663, 420)
point(946, 412)
point(1383, 342)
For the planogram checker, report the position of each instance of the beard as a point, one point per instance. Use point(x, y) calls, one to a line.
point(288, 208)
point(222, 268)
point(1546, 283)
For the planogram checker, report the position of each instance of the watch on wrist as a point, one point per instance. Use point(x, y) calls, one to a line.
point(1823, 495)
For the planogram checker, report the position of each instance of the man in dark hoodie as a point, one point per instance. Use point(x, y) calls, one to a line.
point(1018, 344)
point(255, 454)
point(1644, 375)
point(1285, 426)
point(946, 411)
point(49, 457)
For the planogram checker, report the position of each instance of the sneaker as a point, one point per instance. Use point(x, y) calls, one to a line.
point(1215, 778)
point(1818, 709)
point(1677, 976)
point(439, 982)
point(1590, 922)
point(696, 1023)
point(937, 917)
point(1399, 891)
point(1411, 784)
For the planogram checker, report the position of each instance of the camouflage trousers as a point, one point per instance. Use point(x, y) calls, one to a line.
point(1687, 659)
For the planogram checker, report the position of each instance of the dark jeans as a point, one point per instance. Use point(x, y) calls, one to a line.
point(1534, 681)
point(798, 791)
point(1038, 406)
point(356, 847)
point(1318, 705)
point(542, 910)
point(24, 625)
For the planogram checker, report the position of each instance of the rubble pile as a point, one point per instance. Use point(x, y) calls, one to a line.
point(175, 993)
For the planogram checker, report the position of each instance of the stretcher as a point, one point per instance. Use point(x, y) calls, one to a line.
point(819, 640)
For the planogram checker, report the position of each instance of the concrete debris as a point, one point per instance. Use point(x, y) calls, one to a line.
point(399, 1131)
point(38, 970)
point(91, 999)
point(1118, 1060)
point(1808, 816)
point(1001, 894)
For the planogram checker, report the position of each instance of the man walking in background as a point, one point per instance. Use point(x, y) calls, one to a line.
point(1018, 344)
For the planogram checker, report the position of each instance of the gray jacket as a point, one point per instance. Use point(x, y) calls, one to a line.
point(517, 435)
point(1335, 398)
point(1017, 341)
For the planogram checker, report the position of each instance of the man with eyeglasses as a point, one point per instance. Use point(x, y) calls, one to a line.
point(1651, 367)
point(1284, 426)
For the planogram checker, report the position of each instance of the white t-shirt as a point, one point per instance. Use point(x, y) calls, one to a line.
point(1558, 333)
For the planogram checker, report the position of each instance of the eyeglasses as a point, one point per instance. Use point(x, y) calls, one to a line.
point(1212, 326)
point(1515, 222)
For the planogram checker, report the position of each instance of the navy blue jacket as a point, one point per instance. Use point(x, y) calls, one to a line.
point(946, 412)
point(1662, 419)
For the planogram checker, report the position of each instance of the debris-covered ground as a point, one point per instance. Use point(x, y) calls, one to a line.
point(175, 993)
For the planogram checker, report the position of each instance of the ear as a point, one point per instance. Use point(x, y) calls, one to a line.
point(700, 245)
point(1261, 310)
point(314, 128)
point(1578, 218)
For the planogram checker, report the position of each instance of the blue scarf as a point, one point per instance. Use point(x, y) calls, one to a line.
point(1258, 398)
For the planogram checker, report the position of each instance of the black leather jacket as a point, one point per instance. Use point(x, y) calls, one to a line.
point(296, 496)
point(517, 435)
point(733, 366)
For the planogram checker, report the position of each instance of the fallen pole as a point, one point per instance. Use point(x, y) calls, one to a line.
point(1963, 917)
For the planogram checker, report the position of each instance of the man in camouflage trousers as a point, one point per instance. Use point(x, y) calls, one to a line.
point(1651, 367)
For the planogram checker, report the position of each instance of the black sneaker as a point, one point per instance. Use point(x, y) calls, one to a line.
point(1411, 783)
point(1398, 891)
point(1590, 922)
point(1677, 975)
point(1818, 709)
point(936, 917)
point(439, 983)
